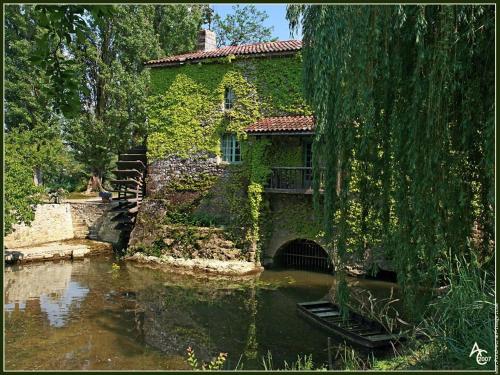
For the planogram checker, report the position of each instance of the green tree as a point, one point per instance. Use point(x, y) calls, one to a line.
point(245, 25)
point(34, 146)
point(28, 102)
point(21, 194)
point(177, 26)
point(57, 26)
point(404, 101)
point(74, 81)
point(114, 85)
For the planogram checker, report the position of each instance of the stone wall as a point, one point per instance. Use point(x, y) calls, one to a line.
point(53, 222)
point(151, 235)
point(66, 221)
point(181, 191)
point(189, 242)
point(181, 173)
point(90, 213)
point(97, 217)
point(290, 217)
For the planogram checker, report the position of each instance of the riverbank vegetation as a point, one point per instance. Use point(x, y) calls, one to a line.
point(405, 124)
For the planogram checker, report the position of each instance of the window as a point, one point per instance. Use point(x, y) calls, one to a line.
point(229, 98)
point(230, 148)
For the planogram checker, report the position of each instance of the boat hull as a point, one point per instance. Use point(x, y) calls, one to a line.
point(357, 329)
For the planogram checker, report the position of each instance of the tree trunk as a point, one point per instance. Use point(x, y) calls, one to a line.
point(37, 176)
point(95, 183)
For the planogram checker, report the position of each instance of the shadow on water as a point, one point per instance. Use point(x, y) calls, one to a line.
point(83, 315)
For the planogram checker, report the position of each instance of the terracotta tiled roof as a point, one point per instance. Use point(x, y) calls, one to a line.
point(265, 48)
point(282, 124)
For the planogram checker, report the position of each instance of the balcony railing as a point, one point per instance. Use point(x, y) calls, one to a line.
point(291, 180)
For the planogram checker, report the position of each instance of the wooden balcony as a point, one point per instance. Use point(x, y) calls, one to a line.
point(291, 180)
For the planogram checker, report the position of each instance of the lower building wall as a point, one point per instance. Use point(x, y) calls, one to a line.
point(186, 196)
point(292, 217)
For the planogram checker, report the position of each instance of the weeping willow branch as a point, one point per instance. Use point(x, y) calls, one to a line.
point(404, 102)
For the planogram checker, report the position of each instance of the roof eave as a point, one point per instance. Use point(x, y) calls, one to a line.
point(215, 60)
point(261, 133)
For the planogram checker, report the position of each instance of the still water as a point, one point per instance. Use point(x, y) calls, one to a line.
point(85, 315)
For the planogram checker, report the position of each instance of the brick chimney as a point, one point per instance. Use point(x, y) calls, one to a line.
point(206, 40)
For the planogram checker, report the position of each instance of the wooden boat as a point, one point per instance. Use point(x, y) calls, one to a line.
point(356, 329)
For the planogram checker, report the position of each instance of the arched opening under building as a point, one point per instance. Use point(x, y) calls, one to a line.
point(303, 255)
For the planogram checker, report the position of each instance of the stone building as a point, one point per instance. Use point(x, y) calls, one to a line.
point(229, 158)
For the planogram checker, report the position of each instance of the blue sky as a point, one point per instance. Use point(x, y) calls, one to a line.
point(276, 13)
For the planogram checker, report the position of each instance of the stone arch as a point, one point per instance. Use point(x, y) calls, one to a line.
point(301, 253)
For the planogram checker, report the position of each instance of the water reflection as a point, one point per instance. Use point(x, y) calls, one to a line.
point(204, 313)
point(50, 286)
point(57, 305)
point(82, 315)
point(22, 283)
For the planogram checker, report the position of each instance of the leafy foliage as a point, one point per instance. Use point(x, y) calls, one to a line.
point(403, 97)
point(280, 86)
point(26, 96)
point(214, 365)
point(113, 93)
point(58, 27)
point(254, 154)
point(245, 26)
point(185, 111)
point(177, 26)
point(75, 88)
point(304, 363)
point(183, 120)
point(20, 191)
point(463, 315)
point(33, 144)
point(174, 27)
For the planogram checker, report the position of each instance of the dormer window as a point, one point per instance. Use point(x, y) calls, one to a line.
point(229, 98)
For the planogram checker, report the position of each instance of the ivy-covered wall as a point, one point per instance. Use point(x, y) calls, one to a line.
point(287, 151)
point(186, 119)
point(288, 217)
point(185, 111)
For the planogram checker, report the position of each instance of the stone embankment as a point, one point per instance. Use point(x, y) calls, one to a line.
point(52, 222)
point(215, 266)
point(72, 249)
point(62, 231)
point(183, 248)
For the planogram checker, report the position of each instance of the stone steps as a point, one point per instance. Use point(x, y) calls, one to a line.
point(80, 228)
point(81, 235)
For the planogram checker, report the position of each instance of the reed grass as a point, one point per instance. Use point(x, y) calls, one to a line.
point(452, 323)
